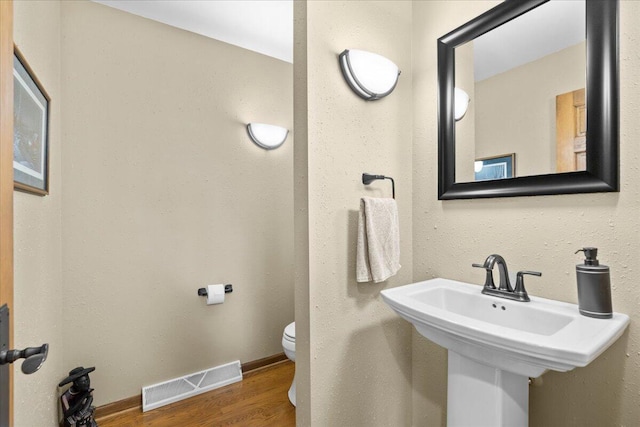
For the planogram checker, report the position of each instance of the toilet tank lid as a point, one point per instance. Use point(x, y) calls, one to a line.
point(290, 330)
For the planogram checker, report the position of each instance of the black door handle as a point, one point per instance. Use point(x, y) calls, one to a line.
point(34, 357)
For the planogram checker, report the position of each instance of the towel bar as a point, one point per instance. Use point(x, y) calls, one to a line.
point(369, 178)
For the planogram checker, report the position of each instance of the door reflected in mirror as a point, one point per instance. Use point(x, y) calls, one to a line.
point(526, 80)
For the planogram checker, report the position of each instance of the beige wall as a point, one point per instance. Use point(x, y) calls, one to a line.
point(165, 193)
point(37, 245)
point(301, 214)
point(512, 117)
point(538, 233)
point(359, 350)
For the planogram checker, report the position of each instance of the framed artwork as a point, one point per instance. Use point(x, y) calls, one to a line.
point(30, 130)
point(496, 167)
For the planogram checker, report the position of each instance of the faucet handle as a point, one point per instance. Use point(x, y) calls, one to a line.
point(531, 273)
point(488, 281)
point(519, 289)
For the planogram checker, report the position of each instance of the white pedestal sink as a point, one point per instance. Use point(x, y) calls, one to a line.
point(495, 345)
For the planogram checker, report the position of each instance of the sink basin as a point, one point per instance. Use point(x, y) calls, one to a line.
point(525, 338)
point(495, 344)
point(534, 319)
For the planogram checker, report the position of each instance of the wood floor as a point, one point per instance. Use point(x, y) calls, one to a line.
point(259, 400)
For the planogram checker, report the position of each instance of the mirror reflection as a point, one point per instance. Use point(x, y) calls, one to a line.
point(526, 81)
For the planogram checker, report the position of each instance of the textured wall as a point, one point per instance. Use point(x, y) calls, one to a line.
point(537, 233)
point(359, 349)
point(165, 193)
point(301, 214)
point(37, 245)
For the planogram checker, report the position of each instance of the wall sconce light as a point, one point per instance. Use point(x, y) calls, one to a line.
point(266, 136)
point(461, 103)
point(370, 76)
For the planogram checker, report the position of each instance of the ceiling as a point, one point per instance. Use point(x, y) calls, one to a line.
point(266, 26)
point(263, 26)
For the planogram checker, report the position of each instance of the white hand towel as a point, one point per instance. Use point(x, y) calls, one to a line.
point(378, 251)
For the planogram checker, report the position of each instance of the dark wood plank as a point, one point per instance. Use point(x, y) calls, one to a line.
point(259, 400)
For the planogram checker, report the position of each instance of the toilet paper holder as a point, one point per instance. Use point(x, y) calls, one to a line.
point(227, 289)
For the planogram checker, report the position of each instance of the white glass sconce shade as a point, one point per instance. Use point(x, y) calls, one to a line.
point(267, 136)
point(370, 76)
point(477, 166)
point(461, 103)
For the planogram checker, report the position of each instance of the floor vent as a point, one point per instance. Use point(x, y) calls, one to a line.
point(167, 392)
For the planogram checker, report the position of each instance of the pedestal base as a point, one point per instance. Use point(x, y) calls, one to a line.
point(479, 395)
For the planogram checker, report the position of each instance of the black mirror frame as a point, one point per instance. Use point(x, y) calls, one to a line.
point(602, 174)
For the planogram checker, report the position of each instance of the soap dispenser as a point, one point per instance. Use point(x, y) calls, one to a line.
point(594, 286)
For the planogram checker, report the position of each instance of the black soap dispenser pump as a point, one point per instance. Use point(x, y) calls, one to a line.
point(594, 286)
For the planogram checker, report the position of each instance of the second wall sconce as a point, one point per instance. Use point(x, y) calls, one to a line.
point(461, 103)
point(370, 76)
point(266, 136)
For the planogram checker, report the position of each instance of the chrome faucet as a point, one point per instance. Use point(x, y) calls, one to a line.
point(504, 290)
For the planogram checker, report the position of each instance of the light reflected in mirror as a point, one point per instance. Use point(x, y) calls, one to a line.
point(526, 81)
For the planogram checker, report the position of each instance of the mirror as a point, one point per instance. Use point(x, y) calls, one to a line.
point(515, 140)
point(514, 74)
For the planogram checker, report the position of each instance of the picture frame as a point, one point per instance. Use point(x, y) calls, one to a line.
point(495, 167)
point(30, 129)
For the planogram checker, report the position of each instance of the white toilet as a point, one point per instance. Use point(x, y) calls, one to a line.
point(289, 345)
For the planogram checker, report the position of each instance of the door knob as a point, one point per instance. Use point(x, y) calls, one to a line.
point(34, 357)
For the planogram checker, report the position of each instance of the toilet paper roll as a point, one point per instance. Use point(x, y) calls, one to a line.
point(215, 294)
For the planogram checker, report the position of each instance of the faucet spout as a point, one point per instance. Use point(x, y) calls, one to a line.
point(504, 290)
point(505, 284)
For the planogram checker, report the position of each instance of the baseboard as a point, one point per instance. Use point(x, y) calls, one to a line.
point(135, 402)
point(261, 363)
